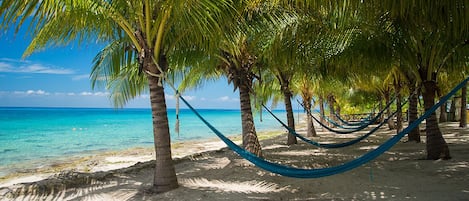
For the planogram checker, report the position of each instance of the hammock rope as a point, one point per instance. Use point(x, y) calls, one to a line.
point(331, 145)
point(322, 172)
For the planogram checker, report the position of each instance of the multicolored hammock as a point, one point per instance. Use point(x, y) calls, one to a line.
point(322, 172)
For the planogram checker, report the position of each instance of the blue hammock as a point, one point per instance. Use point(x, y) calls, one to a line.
point(350, 130)
point(333, 145)
point(367, 119)
point(344, 127)
point(322, 172)
point(347, 123)
point(355, 127)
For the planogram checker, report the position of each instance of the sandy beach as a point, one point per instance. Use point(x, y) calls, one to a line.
point(207, 170)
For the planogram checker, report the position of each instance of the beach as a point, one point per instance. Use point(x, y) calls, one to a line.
point(207, 170)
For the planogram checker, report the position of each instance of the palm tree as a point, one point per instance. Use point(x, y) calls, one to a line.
point(398, 79)
point(414, 135)
point(377, 84)
point(444, 86)
point(239, 67)
point(429, 38)
point(305, 85)
point(145, 35)
point(424, 36)
point(238, 60)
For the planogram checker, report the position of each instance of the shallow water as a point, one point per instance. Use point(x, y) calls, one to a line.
point(34, 137)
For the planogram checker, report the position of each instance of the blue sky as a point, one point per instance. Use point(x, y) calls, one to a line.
point(59, 77)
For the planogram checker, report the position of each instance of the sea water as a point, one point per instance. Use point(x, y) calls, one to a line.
point(33, 137)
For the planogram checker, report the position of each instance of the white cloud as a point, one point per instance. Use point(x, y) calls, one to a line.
point(45, 93)
point(189, 98)
point(224, 98)
point(101, 94)
point(81, 77)
point(173, 97)
point(32, 92)
point(38, 92)
point(227, 99)
point(19, 66)
point(169, 96)
point(86, 93)
point(4, 65)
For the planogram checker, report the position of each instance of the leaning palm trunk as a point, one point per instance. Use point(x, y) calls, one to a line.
point(290, 118)
point(414, 134)
point(436, 144)
point(250, 140)
point(165, 175)
point(463, 119)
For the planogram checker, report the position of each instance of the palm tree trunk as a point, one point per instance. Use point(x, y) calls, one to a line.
point(399, 106)
point(436, 144)
point(330, 100)
point(443, 113)
point(250, 140)
point(414, 134)
point(463, 119)
point(452, 110)
point(391, 124)
point(290, 118)
point(321, 110)
point(310, 131)
point(165, 175)
point(380, 107)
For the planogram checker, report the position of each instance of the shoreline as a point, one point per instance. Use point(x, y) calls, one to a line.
point(398, 174)
point(102, 161)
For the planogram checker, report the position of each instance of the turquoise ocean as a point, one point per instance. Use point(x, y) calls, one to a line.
point(34, 137)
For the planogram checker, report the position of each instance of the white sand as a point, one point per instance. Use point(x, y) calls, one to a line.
point(398, 174)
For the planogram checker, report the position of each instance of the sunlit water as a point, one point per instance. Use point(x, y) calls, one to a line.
point(33, 137)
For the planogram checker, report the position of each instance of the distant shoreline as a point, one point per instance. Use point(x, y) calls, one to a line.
point(136, 108)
